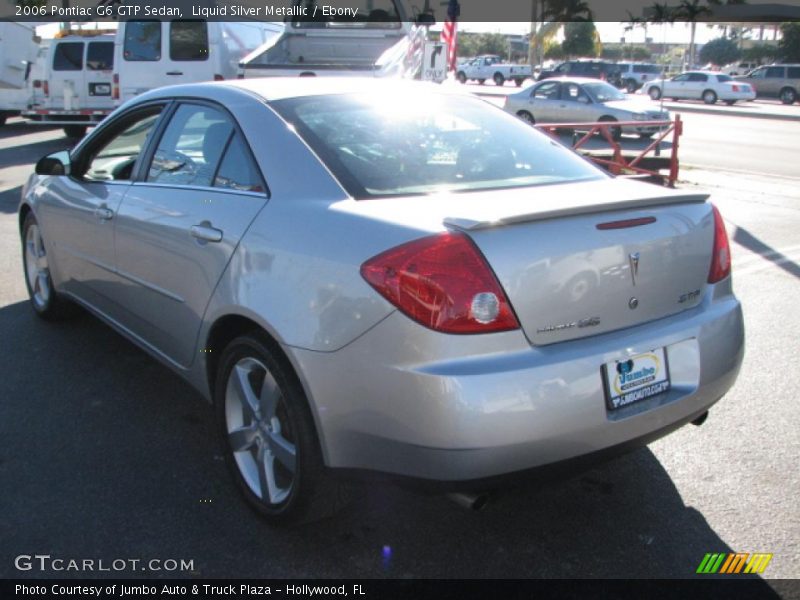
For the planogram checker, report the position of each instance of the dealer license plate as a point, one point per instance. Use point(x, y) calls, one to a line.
point(635, 379)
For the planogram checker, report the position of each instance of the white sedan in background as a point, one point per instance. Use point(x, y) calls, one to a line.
point(707, 86)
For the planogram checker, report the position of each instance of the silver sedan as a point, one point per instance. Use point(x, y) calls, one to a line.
point(583, 100)
point(385, 276)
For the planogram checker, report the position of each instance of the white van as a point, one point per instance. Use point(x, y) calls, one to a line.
point(152, 54)
point(74, 89)
point(18, 47)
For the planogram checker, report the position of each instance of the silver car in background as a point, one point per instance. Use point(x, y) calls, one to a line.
point(385, 276)
point(583, 100)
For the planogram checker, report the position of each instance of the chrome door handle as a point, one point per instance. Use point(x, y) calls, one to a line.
point(103, 213)
point(206, 233)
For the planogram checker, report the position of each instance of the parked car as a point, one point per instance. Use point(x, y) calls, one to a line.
point(739, 68)
point(632, 76)
point(400, 306)
point(775, 81)
point(581, 100)
point(595, 69)
point(493, 67)
point(700, 85)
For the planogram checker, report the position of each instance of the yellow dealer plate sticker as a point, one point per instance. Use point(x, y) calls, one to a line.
point(635, 379)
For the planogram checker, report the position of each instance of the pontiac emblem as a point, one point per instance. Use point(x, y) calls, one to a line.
point(633, 258)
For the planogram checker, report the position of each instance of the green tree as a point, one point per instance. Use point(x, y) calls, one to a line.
point(566, 10)
point(641, 53)
point(553, 51)
point(579, 39)
point(760, 53)
point(614, 53)
point(789, 45)
point(720, 51)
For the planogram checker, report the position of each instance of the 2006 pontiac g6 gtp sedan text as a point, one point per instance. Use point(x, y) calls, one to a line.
point(385, 276)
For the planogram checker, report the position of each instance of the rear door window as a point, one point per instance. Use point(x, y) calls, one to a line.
point(142, 41)
point(68, 56)
point(191, 147)
point(188, 40)
point(100, 56)
point(775, 72)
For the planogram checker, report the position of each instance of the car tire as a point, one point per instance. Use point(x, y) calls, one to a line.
point(499, 79)
point(75, 131)
point(709, 97)
point(730, 102)
point(630, 86)
point(461, 76)
point(526, 116)
point(268, 435)
point(647, 135)
point(46, 302)
point(654, 93)
point(788, 95)
point(616, 132)
point(518, 82)
point(2, 120)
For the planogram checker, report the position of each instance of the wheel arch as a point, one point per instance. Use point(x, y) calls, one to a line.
point(227, 328)
point(24, 210)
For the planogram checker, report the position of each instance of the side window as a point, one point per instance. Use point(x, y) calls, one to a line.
point(547, 91)
point(188, 40)
point(775, 72)
point(573, 92)
point(237, 170)
point(114, 158)
point(698, 77)
point(679, 78)
point(191, 147)
point(758, 73)
point(68, 56)
point(100, 56)
point(793, 72)
point(142, 41)
point(564, 68)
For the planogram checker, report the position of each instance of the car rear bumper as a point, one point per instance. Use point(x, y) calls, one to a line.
point(412, 402)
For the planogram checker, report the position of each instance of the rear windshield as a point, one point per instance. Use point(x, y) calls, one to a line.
point(188, 40)
point(100, 56)
point(68, 56)
point(142, 41)
point(422, 143)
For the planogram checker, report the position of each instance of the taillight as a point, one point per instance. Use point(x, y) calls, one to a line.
point(721, 257)
point(443, 282)
point(115, 87)
point(218, 77)
point(735, 88)
point(46, 87)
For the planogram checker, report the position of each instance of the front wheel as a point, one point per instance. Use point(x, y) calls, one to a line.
point(499, 79)
point(47, 303)
point(518, 82)
point(461, 76)
point(788, 96)
point(268, 435)
point(710, 97)
point(655, 93)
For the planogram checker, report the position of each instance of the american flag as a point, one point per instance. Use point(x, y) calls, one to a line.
point(450, 35)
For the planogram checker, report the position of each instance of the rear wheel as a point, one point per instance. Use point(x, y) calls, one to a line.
point(268, 434)
point(47, 303)
point(655, 93)
point(788, 95)
point(461, 76)
point(709, 97)
point(499, 79)
point(526, 116)
point(75, 131)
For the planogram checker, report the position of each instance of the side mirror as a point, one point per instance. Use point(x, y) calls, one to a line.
point(57, 163)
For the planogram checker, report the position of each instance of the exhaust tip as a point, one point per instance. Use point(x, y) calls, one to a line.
point(701, 419)
point(469, 501)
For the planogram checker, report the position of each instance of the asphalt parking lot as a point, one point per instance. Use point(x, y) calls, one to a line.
point(107, 454)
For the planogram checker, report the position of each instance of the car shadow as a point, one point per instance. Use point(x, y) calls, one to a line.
point(9, 200)
point(744, 238)
point(107, 453)
point(30, 153)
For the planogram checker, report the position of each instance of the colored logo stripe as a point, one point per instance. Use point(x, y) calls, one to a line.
point(733, 563)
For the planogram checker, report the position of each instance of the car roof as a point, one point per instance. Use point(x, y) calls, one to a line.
point(568, 79)
point(272, 89)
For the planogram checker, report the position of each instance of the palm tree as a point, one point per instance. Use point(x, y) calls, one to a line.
point(567, 10)
point(691, 10)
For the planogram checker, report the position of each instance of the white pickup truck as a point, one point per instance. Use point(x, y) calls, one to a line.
point(492, 67)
